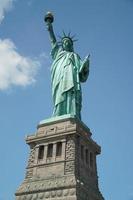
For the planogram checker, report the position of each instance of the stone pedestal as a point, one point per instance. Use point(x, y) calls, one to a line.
point(62, 162)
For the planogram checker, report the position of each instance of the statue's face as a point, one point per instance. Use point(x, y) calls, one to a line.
point(67, 44)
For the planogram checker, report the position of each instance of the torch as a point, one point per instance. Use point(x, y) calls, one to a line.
point(49, 18)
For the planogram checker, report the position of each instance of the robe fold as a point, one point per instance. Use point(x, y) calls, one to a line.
point(65, 78)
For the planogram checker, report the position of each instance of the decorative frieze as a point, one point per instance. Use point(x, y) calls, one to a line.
point(35, 186)
point(52, 195)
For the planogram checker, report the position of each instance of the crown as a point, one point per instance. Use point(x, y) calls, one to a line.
point(67, 36)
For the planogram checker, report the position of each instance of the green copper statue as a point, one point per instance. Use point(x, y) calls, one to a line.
point(67, 71)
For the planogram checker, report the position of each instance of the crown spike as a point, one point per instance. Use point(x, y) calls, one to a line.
point(75, 40)
point(59, 37)
point(64, 33)
point(73, 36)
point(69, 34)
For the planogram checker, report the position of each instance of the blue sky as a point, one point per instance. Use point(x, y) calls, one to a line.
point(104, 29)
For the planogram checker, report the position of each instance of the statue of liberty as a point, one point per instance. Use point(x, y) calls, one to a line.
point(67, 73)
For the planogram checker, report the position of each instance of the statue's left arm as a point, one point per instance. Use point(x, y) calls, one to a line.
point(84, 69)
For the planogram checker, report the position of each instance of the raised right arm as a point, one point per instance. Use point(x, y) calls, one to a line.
point(51, 34)
point(49, 19)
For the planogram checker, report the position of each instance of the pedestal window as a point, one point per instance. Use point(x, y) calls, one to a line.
point(50, 151)
point(59, 149)
point(91, 159)
point(82, 152)
point(87, 156)
point(41, 152)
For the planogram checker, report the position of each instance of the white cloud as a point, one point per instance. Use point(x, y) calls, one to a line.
point(5, 5)
point(15, 69)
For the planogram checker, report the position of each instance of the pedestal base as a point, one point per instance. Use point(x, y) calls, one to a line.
point(62, 162)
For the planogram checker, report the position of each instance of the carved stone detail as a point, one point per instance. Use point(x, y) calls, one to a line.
point(44, 185)
point(54, 194)
point(29, 173)
point(31, 157)
point(69, 167)
point(70, 155)
point(70, 148)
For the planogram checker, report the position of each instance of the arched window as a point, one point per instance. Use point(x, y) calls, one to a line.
point(82, 152)
point(41, 152)
point(86, 156)
point(91, 159)
point(50, 151)
point(58, 148)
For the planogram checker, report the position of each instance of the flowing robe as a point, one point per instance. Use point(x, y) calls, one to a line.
point(65, 78)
